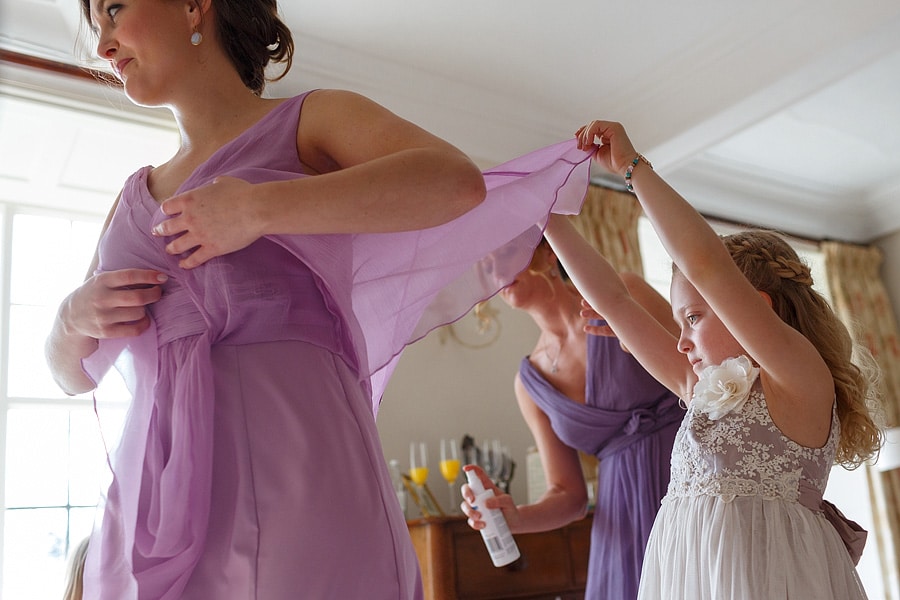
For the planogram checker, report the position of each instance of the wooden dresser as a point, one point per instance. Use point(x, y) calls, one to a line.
point(456, 566)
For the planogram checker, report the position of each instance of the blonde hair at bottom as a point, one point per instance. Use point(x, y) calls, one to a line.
point(75, 572)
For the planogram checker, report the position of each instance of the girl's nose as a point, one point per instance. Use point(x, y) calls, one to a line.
point(684, 345)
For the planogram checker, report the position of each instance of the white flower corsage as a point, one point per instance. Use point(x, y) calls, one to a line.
point(724, 388)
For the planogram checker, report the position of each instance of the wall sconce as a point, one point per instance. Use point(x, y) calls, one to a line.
point(478, 329)
point(889, 458)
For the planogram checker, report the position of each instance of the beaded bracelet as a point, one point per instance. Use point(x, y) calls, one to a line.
point(628, 171)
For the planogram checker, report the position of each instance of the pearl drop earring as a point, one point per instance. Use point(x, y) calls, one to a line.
point(196, 38)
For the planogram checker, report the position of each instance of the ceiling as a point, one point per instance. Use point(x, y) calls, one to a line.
point(783, 115)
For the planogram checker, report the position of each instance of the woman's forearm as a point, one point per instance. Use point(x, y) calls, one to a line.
point(64, 351)
point(555, 509)
point(412, 189)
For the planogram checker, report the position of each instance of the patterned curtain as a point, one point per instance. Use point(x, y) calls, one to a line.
point(860, 298)
point(608, 220)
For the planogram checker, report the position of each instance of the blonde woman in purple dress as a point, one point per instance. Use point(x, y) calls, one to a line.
point(773, 396)
point(582, 392)
point(255, 292)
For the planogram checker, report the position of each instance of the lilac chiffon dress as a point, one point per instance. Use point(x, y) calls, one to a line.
point(628, 421)
point(249, 466)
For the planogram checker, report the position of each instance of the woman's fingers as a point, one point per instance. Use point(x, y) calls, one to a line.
point(114, 303)
point(209, 221)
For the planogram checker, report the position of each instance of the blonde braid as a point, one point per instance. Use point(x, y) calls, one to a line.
point(788, 268)
point(753, 257)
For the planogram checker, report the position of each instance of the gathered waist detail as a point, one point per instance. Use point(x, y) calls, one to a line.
point(640, 423)
point(178, 316)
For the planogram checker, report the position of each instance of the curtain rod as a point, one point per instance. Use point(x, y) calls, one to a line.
point(55, 66)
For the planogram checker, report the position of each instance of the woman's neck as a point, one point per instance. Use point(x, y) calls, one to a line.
point(217, 117)
point(560, 317)
point(560, 351)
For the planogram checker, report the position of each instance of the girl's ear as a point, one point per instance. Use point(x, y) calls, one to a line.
point(766, 297)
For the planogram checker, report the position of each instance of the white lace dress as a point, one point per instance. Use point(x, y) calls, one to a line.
point(743, 515)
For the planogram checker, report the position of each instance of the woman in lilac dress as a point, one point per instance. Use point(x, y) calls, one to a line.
point(255, 292)
point(581, 392)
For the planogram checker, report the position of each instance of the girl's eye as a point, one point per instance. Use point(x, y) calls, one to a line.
point(691, 319)
point(112, 10)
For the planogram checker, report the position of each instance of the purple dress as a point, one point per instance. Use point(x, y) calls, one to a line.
point(628, 421)
point(250, 466)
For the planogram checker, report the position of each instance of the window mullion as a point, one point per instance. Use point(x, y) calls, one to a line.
point(5, 275)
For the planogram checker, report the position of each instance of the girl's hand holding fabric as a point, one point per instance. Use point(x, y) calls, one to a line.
point(615, 151)
point(210, 221)
point(112, 304)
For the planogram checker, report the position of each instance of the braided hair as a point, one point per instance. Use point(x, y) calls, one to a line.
point(773, 266)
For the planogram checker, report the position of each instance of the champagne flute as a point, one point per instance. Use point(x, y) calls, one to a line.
point(492, 459)
point(450, 468)
point(418, 463)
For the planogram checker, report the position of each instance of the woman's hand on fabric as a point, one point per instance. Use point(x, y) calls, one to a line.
point(112, 304)
point(210, 221)
point(615, 151)
point(500, 500)
point(588, 313)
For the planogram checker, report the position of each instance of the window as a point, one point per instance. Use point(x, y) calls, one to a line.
point(54, 456)
point(54, 194)
point(843, 485)
point(658, 266)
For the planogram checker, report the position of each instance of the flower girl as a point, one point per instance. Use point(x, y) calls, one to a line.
point(773, 401)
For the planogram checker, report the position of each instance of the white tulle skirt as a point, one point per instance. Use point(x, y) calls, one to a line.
point(749, 548)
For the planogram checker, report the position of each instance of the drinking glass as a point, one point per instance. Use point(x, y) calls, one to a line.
point(418, 463)
point(492, 459)
point(450, 468)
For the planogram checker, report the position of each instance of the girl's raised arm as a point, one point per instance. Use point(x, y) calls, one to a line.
point(795, 373)
point(651, 343)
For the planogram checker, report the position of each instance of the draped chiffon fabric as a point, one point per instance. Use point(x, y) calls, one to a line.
point(628, 421)
point(249, 466)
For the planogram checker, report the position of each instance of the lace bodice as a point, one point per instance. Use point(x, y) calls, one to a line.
point(743, 453)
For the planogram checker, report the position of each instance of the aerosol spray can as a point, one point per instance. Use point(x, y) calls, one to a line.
point(499, 541)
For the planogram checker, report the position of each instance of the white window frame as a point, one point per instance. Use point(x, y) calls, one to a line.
point(15, 199)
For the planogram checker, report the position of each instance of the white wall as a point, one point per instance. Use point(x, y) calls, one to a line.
point(442, 389)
